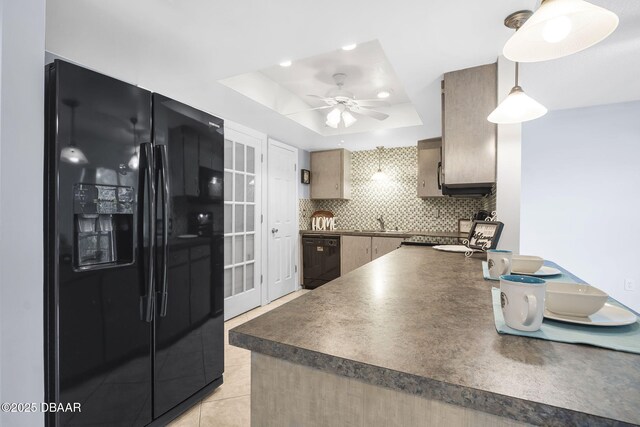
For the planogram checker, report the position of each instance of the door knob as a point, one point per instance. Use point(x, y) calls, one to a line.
point(274, 230)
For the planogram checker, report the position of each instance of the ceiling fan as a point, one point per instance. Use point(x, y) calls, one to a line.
point(345, 107)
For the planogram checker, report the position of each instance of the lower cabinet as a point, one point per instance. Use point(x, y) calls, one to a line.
point(356, 251)
point(383, 245)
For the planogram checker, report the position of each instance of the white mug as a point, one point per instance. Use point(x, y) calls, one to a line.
point(499, 262)
point(522, 301)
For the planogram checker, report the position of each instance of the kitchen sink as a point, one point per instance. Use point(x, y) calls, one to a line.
point(380, 231)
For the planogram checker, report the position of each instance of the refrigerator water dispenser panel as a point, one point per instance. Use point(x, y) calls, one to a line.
point(103, 221)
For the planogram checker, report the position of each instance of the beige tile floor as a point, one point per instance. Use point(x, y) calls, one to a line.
point(229, 405)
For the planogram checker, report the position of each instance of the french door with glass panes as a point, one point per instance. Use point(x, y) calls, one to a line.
point(242, 227)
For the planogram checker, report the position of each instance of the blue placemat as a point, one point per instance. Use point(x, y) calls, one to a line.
point(564, 277)
point(621, 338)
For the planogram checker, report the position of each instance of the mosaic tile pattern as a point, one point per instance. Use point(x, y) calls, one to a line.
point(489, 202)
point(395, 199)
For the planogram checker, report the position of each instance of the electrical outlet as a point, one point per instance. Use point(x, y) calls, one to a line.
point(629, 285)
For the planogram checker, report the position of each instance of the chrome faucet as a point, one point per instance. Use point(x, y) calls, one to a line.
point(381, 221)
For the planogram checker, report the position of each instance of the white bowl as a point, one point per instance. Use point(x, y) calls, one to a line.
point(528, 264)
point(571, 299)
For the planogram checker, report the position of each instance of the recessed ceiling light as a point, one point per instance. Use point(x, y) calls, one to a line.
point(384, 94)
point(286, 63)
point(349, 46)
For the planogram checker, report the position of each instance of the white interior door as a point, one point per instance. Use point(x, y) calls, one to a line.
point(242, 227)
point(282, 205)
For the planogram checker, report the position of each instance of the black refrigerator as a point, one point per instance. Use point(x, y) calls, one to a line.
point(134, 327)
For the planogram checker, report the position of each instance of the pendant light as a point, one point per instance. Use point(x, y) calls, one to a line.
point(517, 107)
point(72, 154)
point(134, 161)
point(379, 175)
point(560, 28)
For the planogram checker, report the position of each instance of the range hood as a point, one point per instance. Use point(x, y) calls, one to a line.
point(476, 191)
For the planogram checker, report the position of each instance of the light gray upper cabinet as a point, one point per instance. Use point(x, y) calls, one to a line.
point(468, 138)
point(331, 174)
point(429, 167)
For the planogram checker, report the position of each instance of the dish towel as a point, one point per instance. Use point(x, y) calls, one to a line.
point(621, 338)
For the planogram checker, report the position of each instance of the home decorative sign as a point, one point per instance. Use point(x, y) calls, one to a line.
point(323, 221)
point(483, 235)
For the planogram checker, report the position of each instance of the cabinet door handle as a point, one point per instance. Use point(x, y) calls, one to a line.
point(336, 186)
point(439, 171)
point(274, 230)
point(376, 251)
point(367, 250)
point(422, 184)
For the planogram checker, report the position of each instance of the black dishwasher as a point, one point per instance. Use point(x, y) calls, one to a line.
point(320, 260)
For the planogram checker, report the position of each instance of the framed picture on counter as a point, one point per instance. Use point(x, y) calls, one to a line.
point(464, 225)
point(485, 234)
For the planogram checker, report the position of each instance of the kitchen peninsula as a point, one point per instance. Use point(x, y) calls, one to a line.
point(409, 339)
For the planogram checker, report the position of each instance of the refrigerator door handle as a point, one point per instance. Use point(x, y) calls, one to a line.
point(147, 172)
point(164, 174)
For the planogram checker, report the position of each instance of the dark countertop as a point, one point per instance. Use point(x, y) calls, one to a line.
point(401, 233)
point(421, 321)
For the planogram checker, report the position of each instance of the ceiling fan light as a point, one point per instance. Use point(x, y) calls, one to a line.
point(560, 28)
point(384, 94)
point(517, 107)
point(286, 63)
point(331, 124)
point(348, 119)
point(349, 46)
point(333, 118)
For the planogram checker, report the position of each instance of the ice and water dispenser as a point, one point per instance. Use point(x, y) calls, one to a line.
point(103, 221)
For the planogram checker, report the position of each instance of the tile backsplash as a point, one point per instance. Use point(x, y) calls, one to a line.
point(395, 198)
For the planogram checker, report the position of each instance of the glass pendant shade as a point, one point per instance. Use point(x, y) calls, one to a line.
point(379, 176)
point(340, 113)
point(333, 118)
point(134, 161)
point(348, 119)
point(517, 107)
point(560, 28)
point(74, 155)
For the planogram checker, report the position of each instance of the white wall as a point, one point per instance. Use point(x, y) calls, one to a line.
point(304, 162)
point(508, 165)
point(21, 208)
point(581, 194)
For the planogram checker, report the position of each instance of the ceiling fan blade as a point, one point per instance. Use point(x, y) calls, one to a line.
point(310, 109)
point(371, 113)
point(372, 103)
point(371, 100)
point(320, 97)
